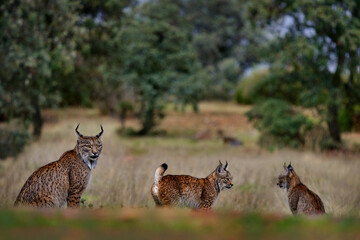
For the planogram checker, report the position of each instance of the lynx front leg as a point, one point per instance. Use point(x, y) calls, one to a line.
point(74, 197)
point(78, 182)
point(293, 203)
point(73, 200)
point(205, 205)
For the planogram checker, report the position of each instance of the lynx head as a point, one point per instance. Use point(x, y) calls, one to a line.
point(285, 176)
point(223, 177)
point(89, 147)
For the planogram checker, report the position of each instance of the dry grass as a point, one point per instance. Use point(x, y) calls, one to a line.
point(124, 174)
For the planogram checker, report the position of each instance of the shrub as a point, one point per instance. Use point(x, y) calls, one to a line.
point(345, 119)
point(12, 142)
point(246, 91)
point(318, 139)
point(279, 124)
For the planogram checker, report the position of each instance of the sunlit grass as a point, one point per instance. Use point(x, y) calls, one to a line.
point(125, 171)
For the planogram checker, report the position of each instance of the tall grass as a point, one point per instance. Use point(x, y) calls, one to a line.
point(125, 170)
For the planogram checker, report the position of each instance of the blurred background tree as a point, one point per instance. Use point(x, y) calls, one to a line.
point(157, 58)
point(146, 54)
point(313, 53)
point(224, 41)
point(37, 44)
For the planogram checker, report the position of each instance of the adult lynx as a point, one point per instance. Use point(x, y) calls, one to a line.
point(188, 191)
point(64, 180)
point(301, 199)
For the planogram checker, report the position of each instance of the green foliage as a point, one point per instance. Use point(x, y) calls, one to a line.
point(12, 142)
point(345, 120)
point(157, 60)
point(246, 91)
point(221, 38)
point(319, 44)
point(76, 89)
point(125, 106)
point(223, 79)
point(279, 124)
point(36, 44)
point(83, 204)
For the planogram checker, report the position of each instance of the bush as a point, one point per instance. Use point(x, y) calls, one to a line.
point(279, 124)
point(345, 120)
point(246, 91)
point(318, 139)
point(12, 142)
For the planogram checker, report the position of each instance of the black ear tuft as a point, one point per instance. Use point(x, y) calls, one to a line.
point(77, 132)
point(100, 133)
point(290, 167)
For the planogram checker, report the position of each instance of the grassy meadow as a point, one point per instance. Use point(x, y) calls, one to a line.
point(125, 171)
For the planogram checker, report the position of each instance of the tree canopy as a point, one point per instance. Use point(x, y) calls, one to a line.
point(150, 53)
point(314, 50)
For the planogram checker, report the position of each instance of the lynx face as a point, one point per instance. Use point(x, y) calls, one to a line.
point(89, 148)
point(283, 181)
point(284, 177)
point(224, 178)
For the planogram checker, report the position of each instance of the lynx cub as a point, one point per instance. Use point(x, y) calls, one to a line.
point(301, 199)
point(188, 191)
point(64, 180)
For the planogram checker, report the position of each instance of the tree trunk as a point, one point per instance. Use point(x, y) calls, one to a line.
point(333, 123)
point(148, 119)
point(36, 118)
point(332, 116)
point(195, 106)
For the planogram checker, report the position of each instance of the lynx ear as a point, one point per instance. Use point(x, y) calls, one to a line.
point(226, 165)
point(285, 168)
point(219, 168)
point(290, 168)
point(79, 135)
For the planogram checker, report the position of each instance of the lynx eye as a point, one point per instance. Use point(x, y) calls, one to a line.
point(87, 146)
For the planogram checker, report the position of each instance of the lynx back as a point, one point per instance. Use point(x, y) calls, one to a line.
point(301, 199)
point(64, 180)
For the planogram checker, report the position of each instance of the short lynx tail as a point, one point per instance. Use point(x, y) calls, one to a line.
point(160, 172)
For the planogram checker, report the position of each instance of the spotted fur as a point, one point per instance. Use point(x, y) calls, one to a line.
point(188, 191)
point(301, 199)
point(64, 180)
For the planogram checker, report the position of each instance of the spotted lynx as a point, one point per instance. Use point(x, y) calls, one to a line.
point(64, 180)
point(188, 191)
point(301, 199)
